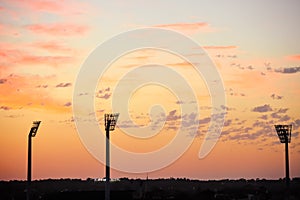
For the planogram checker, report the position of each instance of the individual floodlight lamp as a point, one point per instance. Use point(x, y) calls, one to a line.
point(284, 133)
point(110, 121)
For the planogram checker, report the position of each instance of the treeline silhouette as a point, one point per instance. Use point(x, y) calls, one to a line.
point(170, 188)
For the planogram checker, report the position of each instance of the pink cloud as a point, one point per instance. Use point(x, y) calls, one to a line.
point(52, 46)
point(189, 28)
point(62, 29)
point(220, 47)
point(56, 7)
point(48, 60)
point(294, 57)
point(13, 57)
point(8, 30)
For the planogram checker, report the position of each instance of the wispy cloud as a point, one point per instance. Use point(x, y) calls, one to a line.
point(104, 96)
point(58, 29)
point(172, 116)
point(68, 104)
point(104, 93)
point(276, 97)
point(288, 70)
point(42, 86)
point(52, 46)
point(3, 80)
point(189, 28)
point(5, 108)
point(11, 56)
point(264, 108)
point(64, 85)
point(294, 57)
point(62, 8)
point(220, 47)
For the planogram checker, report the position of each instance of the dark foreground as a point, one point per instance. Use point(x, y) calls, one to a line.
point(127, 189)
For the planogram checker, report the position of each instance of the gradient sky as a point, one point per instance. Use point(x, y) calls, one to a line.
point(254, 44)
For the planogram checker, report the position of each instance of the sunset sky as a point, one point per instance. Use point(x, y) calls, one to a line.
point(255, 46)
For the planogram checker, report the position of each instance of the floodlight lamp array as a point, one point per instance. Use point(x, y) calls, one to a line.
point(111, 121)
point(284, 133)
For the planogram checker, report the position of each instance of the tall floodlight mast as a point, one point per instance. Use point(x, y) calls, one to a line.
point(284, 133)
point(110, 124)
point(32, 133)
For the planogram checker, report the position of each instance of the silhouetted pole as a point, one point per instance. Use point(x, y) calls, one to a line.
point(29, 168)
point(31, 134)
point(110, 123)
point(107, 179)
point(284, 133)
point(287, 167)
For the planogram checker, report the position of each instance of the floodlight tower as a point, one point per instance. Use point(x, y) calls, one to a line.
point(110, 124)
point(284, 133)
point(32, 133)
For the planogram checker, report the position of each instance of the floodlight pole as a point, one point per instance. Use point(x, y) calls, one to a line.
point(110, 123)
point(284, 133)
point(287, 167)
point(107, 179)
point(29, 160)
point(31, 134)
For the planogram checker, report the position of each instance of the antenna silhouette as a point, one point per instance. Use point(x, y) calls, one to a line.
point(110, 124)
point(32, 133)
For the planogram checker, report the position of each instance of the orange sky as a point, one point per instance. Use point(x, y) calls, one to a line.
point(254, 47)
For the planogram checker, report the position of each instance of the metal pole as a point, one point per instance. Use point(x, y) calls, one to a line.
point(107, 179)
point(29, 168)
point(287, 168)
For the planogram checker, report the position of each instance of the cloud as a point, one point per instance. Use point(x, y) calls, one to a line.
point(250, 67)
point(51, 46)
point(172, 116)
point(282, 110)
point(3, 80)
point(264, 117)
point(284, 118)
point(276, 97)
point(42, 86)
point(179, 102)
point(64, 85)
point(220, 47)
point(231, 92)
point(104, 90)
point(204, 120)
point(228, 122)
point(49, 60)
point(104, 93)
point(278, 115)
point(190, 120)
point(59, 29)
point(11, 55)
point(264, 108)
point(288, 70)
point(64, 8)
point(104, 96)
point(5, 108)
point(67, 104)
point(294, 57)
point(296, 124)
point(189, 28)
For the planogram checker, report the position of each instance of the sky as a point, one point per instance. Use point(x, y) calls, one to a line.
point(254, 46)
